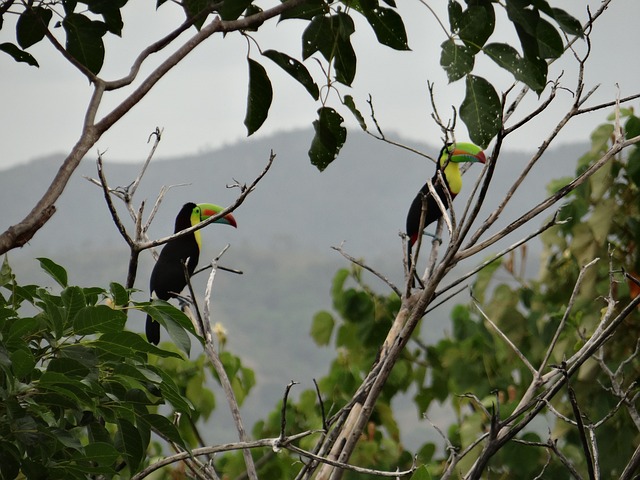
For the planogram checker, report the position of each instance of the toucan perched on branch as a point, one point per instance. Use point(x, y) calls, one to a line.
point(168, 277)
point(451, 156)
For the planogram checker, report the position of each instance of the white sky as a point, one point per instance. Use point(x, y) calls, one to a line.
point(201, 103)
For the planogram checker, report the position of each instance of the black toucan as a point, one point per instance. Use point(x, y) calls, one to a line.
point(449, 164)
point(168, 278)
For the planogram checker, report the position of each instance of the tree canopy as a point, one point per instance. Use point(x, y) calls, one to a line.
point(82, 395)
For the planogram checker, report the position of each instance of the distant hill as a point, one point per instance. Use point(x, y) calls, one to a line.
point(285, 230)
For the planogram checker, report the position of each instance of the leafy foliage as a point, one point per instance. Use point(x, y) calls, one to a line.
point(329, 29)
point(80, 394)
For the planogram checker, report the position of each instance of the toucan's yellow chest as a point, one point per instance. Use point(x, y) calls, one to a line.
point(454, 178)
point(195, 219)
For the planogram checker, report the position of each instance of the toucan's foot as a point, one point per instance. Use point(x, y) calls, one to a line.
point(436, 238)
point(184, 301)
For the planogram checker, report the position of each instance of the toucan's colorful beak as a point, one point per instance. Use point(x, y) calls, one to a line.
point(209, 210)
point(467, 152)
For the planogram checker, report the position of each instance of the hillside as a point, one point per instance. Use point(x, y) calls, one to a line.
point(282, 244)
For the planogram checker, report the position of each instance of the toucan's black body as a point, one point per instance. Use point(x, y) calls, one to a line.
point(446, 180)
point(168, 278)
point(432, 210)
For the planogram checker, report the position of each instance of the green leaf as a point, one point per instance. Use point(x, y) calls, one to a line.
point(421, 473)
point(164, 426)
point(456, 60)
point(476, 26)
point(345, 61)
point(128, 345)
point(633, 166)
point(351, 105)
point(84, 40)
point(318, 37)
point(550, 43)
point(198, 9)
point(101, 453)
point(480, 110)
point(233, 10)
point(508, 58)
point(174, 321)
point(129, 442)
point(454, 10)
point(119, 294)
point(55, 271)
point(388, 26)
point(567, 23)
point(322, 327)
point(18, 55)
point(306, 11)
point(32, 25)
point(259, 97)
point(99, 319)
point(296, 69)
point(110, 11)
point(22, 362)
point(329, 137)
point(73, 299)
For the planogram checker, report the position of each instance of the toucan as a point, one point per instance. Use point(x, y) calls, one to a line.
point(168, 276)
point(451, 156)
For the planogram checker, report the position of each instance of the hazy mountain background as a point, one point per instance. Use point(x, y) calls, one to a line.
point(282, 244)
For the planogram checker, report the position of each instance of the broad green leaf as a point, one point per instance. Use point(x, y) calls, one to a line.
point(318, 37)
point(454, 10)
point(84, 40)
point(101, 453)
point(550, 43)
point(421, 474)
point(18, 55)
point(128, 345)
point(198, 10)
point(337, 286)
point(172, 394)
point(99, 319)
point(32, 25)
point(174, 321)
point(322, 328)
point(164, 426)
point(523, 17)
point(567, 23)
point(296, 69)
point(351, 105)
point(633, 165)
point(110, 11)
point(22, 362)
point(73, 299)
point(388, 26)
point(345, 61)
point(233, 10)
point(129, 442)
point(306, 11)
point(480, 110)
point(632, 127)
point(55, 271)
point(119, 294)
point(68, 367)
point(476, 26)
point(329, 137)
point(456, 60)
point(508, 58)
point(259, 97)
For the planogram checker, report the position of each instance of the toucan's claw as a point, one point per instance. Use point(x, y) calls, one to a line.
point(432, 235)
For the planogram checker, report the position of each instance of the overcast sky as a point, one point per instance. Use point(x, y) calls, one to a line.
point(201, 103)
